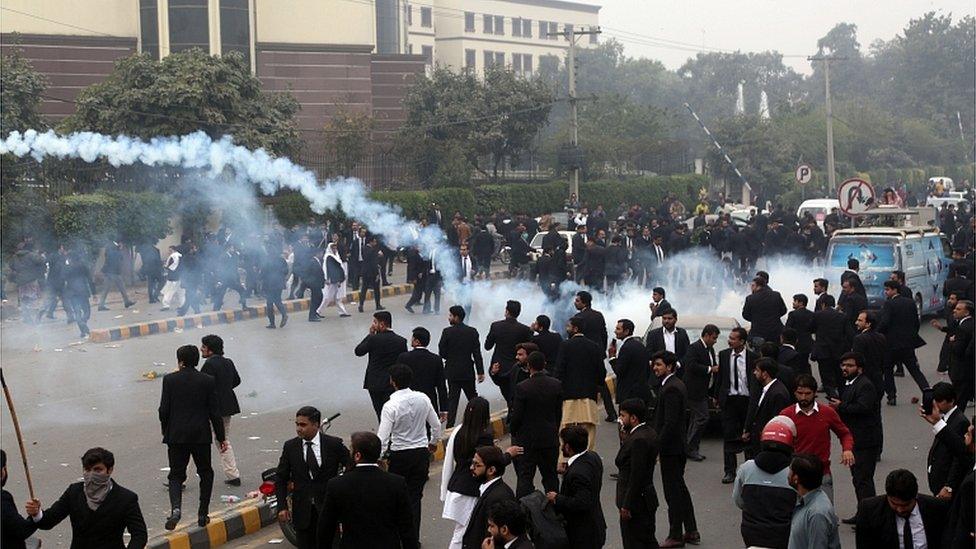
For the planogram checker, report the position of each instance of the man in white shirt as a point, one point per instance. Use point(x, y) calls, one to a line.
point(409, 430)
point(901, 518)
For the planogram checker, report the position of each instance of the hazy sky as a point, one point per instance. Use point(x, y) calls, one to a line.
point(674, 31)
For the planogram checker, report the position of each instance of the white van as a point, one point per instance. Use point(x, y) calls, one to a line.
point(818, 208)
point(923, 253)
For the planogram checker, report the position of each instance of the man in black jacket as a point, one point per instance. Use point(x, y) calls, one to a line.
point(850, 302)
point(417, 268)
point(112, 272)
point(307, 463)
point(507, 523)
point(428, 370)
point(858, 409)
point(503, 336)
point(735, 385)
point(765, 404)
point(699, 364)
point(488, 466)
point(188, 408)
point(383, 347)
point(314, 279)
point(595, 329)
point(99, 508)
point(799, 320)
point(274, 277)
point(534, 420)
point(636, 497)
point(834, 335)
point(578, 499)
point(669, 337)
point(961, 359)
point(669, 423)
point(370, 273)
point(460, 347)
point(371, 505)
point(763, 309)
point(874, 348)
point(899, 323)
point(16, 529)
point(630, 363)
point(948, 459)
point(901, 515)
point(788, 354)
point(225, 376)
point(580, 368)
point(547, 340)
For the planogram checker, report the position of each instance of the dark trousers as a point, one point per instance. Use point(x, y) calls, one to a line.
point(888, 374)
point(54, 294)
point(368, 284)
point(154, 283)
point(414, 466)
point(607, 400)
point(697, 421)
point(862, 472)
point(418, 292)
point(681, 512)
point(829, 372)
point(297, 287)
point(221, 289)
point(908, 359)
point(379, 398)
point(454, 389)
point(543, 459)
point(638, 532)
point(192, 300)
point(504, 383)
point(964, 392)
point(355, 270)
point(179, 458)
point(308, 536)
point(734, 411)
point(805, 367)
point(272, 299)
point(116, 281)
point(433, 286)
point(314, 302)
point(80, 310)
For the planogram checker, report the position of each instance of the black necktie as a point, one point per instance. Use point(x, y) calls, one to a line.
point(711, 356)
point(906, 534)
point(313, 464)
point(735, 370)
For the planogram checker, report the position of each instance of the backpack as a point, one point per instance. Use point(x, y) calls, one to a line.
point(546, 527)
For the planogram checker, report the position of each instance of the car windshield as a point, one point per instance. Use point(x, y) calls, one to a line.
point(818, 213)
point(872, 255)
point(537, 240)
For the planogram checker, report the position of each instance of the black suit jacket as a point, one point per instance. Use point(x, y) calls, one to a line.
point(594, 327)
point(314, 276)
point(834, 334)
point(373, 508)
point(961, 353)
point(898, 322)
point(460, 347)
point(102, 528)
point(874, 347)
point(948, 461)
point(852, 305)
point(370, 268)
point(959, 527)
point(858, 409)
point(537, 412)
point(655, 343)
point(188, 408)
point(764, 309)
point(16, 528)
point(548, 343)
point(580, 368)
point(696, 370)
point(876, 525)
point(579, 502)
point(428, 376)
point(759, 413)
point(792, 358)
point(670, 417)
point(723, 384)
point(503, 336)
point(225, 375)
point(799, 320)
point(477, 529)
point(632, 370)
point(308, 492)
point(383, 349)
point(635, 462)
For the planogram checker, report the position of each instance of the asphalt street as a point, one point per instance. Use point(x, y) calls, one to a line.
point(72, 396)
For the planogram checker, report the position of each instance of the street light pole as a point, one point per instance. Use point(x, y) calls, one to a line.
point(831, 175)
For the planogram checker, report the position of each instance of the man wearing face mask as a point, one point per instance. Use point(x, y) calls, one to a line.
point(16, 528)
point(100, 509)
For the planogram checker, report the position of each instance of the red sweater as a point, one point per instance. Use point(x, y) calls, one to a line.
point(813, 432)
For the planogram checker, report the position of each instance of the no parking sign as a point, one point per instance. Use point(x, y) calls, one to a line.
point(855, 196)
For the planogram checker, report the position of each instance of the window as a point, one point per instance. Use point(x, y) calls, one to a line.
point(500, 58)
point(235, 28)
point(527, 63)
point(527, 28)
point(468, 21)
point(499, 24)
point(489, 59)
point(593, 37)
point(426, 18)
point(470, 59)
point(568, 27)
point(149, 23)
point(543, 29)
point(516, 26)
point(517, 62)
point(409, 14)
point(553, 30)
point(409, 49)
point(487, 22)
point(428, 53)
point(189, 25)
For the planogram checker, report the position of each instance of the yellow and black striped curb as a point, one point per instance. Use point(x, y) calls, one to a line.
point(247, 518)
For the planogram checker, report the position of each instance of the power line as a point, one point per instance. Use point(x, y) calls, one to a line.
point(69, 25)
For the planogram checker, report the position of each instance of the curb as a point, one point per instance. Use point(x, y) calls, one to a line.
point(247, 518)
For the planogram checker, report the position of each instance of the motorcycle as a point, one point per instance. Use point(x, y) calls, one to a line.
point(267, 489)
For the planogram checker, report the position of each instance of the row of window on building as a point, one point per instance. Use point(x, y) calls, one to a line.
point(521, 63)
point(426, 16)
point(519, 27)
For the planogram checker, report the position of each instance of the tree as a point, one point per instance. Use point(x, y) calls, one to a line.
point(21, 88)
point(186, 92)
point(347, 136)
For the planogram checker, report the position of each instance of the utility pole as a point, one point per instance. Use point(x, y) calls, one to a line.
point(571, 36)
point(831, 176)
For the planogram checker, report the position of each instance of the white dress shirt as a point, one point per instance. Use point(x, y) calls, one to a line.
point(743, 389)
point(939, 425)
point(918, 530)
point(465, 268)
point(765, 388)
point(569, 462)
point(669, 338)
point(316, 448)
point(484, 487)
point(404, 421)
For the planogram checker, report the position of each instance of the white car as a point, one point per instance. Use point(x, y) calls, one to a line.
point(819, 208)
point(536, 243)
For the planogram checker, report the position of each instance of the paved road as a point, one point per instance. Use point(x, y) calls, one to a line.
point(72, 397)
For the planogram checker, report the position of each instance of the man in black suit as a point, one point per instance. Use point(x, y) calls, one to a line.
point(820, 286)
point(960, 528)
point(370, 273)
point(16, 529)
point(187, 410)
point(699, 365)
point(874, 348)
point(902, 517)
point(307, 463)
point(899, 323)
point(763, 309)
point(507, 524)
point(100, 509)
point(371, 505)
point(765, 404)
point(834, 335)
point(314, 279)
point(595, 329)
point(534, 421)
point(961, 370)
point(851, 275)
point(225, 376)
point(788, 355)
point(659, 305)
point(669, 337)
point(460, 347)
point(580, 368)
point(274, 278)
point(488, 466)
point(799, 320)
point(547, 340)
point(428, 370)
point(858, 409)
point(669, 423)
point(850, 302)
point(578, 499)
point(630, 363)
point(417, 268)
point(503, 336)
point(636, 497)
point(383, 347)
point(356, 253)
point(949, 460)
point(735, 385)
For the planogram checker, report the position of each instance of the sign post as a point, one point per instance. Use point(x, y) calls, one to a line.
point(804, 173)
point(855, 197)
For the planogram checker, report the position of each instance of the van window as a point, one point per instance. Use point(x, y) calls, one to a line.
point(818, 213)
point(872, 255)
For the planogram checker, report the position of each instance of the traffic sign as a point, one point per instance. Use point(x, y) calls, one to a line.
point(855, 196)
point(804, 173)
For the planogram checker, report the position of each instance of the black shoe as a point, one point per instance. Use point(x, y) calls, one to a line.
point(729, 478)
point(203, 520)
point(233, 481)
point(852, 520)
point(693, 538)
point(284, 320)
point(270, 326)
point(172, 520)
point(614, 476)
point(129, 304)
point(891, 401)
point(314, 319)
point(380, 308)
point(899, 373)
point(102, 308)
point(360, 308)
point(345, 315)
point(696, 457)
point(409, 309)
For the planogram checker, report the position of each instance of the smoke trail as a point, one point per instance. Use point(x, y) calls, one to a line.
point(218, 157)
